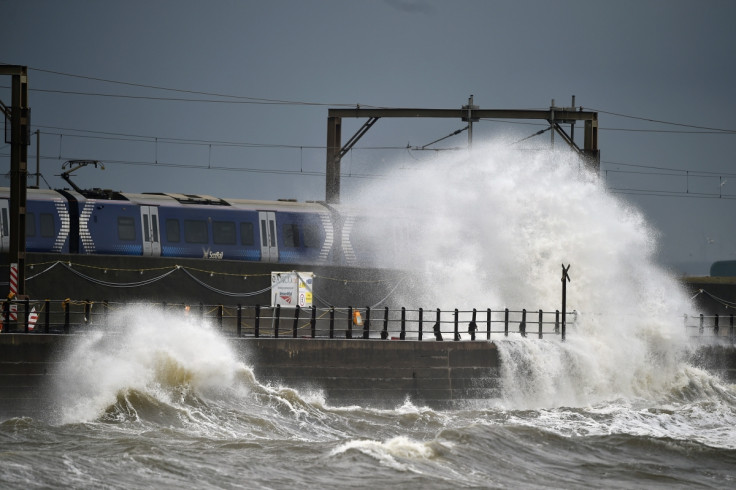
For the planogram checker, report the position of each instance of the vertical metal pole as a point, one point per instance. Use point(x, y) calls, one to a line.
point(488, 324)
point(421, 321)
point(470, 122)
point(522, 325)
point(26, 310)
point(349, 331)
point(384, 332)
point(219, 316)
point(67, 307)
point(367, 323)
point(565, 280)
point(540, 323)
point(47, 316)
point(557, 321)
point(332, 322)
point(313, 322)
point(701, 329)
point(276, 321)
point(295, 327)
point(256, 328)
point(239, 322)
point(19, 141)
point(715, 326)
point(332, 169)
point(38, 157)
point(506, 323)
point(457, 326)
point(438, 327)
point(402, 335)
point(473, 326)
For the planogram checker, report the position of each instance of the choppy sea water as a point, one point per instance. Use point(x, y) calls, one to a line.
point(142, 411)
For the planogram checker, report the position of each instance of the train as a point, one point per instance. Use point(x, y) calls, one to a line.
point(104, 222)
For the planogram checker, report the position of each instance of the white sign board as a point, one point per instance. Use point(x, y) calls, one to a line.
point(292, 289)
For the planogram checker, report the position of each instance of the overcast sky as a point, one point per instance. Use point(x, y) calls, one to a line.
point(282, 64)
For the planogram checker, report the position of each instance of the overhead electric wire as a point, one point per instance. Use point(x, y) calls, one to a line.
point(659, 121)
point(194, 92)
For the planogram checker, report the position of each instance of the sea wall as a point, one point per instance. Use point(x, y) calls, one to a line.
point(376, 373)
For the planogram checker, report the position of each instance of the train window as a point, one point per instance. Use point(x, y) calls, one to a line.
point(223, 232)
point(173, 232)
point(126, 228)
point(311, 235)
point(247, 237)
point(291, 235)
point(47, 225)
point(264, 235)
point(30, 224)
point(146, 230)
point(5, 222)
point(195, 231)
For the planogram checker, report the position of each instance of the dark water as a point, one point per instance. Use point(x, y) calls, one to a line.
point(134, 412)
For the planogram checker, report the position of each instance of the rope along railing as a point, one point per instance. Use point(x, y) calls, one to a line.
point(73, 316)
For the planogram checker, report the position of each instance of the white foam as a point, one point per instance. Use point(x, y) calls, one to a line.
point(496, 224)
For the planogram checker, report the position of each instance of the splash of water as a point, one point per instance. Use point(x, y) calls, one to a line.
point(491, 230)
point(145, 353)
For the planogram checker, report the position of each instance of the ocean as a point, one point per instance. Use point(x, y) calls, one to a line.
point(140, 413)
point(168, 404)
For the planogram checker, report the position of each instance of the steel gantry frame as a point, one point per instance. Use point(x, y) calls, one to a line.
point(555, 116)
point(20, 135)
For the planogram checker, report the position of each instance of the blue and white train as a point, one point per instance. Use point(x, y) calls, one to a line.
point(194, 226)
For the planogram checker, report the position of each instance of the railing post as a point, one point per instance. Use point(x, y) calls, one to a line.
point(540, 323)
point(438, 328)
point(277, 320)
point(349, 331)
point(402, 335)
point(6, 316)
point(256, 327)
point(295, 327)
point(557, 322)
point(700, 328)
point(506, 323)
point(565, 276)
point(313, 322)
point(522, 325)
point(87, 311)
point(332, 322)
point(67, 307)
point(106, 312)
point(420, 322)
point(472, 326)
point(715, 326)
point(488, 324)
point(384, 332)
point(26, 308)
point(47, 316)
point(367, 323)
point(456, 325)
point(239, 321)
point(219, 316)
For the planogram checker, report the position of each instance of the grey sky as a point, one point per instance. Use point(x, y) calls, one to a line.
point(670, 61)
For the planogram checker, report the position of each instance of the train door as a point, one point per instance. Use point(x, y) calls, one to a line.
point(269, 247)
point(151, 238)
point(4, 226)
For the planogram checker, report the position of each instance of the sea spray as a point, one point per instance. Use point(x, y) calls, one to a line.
point(147, 353)
point(496, 224)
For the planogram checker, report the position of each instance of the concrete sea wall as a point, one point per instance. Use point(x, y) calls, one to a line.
point(375, 373)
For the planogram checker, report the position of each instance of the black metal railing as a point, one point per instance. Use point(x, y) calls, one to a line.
point(70, 316)
point(712, 327)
